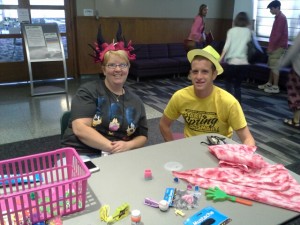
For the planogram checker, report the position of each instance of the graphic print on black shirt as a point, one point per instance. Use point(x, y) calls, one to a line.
point(113, 119)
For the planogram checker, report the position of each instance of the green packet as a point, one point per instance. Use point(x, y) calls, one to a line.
point(207, 216)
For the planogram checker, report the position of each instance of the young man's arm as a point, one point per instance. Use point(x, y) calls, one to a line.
point(165, 128)
point(245, 136)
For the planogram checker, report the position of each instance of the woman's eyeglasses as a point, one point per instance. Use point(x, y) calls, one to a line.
point(122, 66)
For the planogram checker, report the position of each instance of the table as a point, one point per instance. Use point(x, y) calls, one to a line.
point(121, 179)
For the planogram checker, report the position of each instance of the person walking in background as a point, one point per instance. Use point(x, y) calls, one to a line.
point(105, 115)
point(278, 43)
point(292, 56)
point(197, 36)
point(205, 107)
point(235, 54)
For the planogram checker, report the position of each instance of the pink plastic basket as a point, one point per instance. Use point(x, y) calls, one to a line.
point(38, 187)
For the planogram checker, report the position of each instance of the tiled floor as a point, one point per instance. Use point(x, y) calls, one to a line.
point(24, 117)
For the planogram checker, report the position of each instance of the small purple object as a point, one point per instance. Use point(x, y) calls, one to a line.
point(151, 203)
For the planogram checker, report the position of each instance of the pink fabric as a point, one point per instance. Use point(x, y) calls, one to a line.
point(240, 156)
point(245, 174)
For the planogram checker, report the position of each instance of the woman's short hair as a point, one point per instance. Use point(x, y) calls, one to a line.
point(241, 20)
point(121, 53)
point(201, 8)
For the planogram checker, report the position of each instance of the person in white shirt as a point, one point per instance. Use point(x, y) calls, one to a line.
point(235, 54)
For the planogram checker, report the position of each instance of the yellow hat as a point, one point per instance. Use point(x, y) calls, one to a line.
point(209, 53)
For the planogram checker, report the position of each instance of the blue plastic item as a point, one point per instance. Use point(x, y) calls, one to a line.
point(18, 180)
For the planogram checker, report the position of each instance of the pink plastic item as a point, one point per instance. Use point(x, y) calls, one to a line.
point(178, 136)
point(148, 174)
point(61, 189)
point(188, 199)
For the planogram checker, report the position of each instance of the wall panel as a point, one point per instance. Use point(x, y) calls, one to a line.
point(140, 31)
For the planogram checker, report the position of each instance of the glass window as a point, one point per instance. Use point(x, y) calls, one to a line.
point(9, 21)
point(65, 45)
point(46, 2)
point(264, 19)
point(49, 16)
point(11, 50)
point(9, 2)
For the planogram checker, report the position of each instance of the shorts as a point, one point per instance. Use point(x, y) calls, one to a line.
point(273, 59)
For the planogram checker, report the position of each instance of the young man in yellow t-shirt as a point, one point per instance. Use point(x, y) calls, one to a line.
point(205, 107)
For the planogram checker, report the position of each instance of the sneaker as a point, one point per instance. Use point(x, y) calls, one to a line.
point(263, 86)
point(272, 89)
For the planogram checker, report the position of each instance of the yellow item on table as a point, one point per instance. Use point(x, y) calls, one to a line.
point(121, 212)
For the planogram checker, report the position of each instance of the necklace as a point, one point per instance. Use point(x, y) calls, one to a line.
point(118, 96)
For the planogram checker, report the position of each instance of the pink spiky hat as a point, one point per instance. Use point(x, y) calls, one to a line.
point(101, 47)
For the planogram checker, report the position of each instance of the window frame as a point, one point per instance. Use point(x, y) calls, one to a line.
point(17, 71)
point(26, 5)
point(264, 19)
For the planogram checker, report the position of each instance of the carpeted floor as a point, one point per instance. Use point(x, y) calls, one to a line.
point(29, 147)
point(38, 145)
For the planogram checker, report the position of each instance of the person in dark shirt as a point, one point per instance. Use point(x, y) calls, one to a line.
point(278, 44)
point(105, 115)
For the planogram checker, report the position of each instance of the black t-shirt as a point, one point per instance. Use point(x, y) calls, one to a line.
point(116, 118)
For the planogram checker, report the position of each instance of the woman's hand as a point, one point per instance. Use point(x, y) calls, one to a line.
point(120, 146)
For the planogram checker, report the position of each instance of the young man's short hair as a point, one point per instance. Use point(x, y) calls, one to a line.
point(274, 4)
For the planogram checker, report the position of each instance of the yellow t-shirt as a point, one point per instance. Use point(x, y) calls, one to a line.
point(218, 113)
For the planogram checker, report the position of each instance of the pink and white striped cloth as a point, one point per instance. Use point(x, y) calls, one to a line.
point(243, 173)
